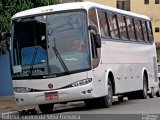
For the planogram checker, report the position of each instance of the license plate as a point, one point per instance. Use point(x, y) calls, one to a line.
point(51, 95)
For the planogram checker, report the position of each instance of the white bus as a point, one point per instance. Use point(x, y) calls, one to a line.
point(81, 52)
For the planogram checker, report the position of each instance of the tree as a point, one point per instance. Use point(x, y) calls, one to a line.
point(9, 7)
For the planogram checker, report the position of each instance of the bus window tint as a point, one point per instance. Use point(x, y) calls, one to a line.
point(131, 30)
point(103, 24)
point(144, 31)
point(150, 33)
point(95, 51)
point(138, 29)
point(93, 18)
point(113, 25)
point(122, 27)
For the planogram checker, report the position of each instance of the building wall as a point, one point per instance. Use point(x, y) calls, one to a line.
point(151, 10)
point(111, 3)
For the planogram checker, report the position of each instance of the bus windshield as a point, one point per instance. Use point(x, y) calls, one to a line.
point(50, 44)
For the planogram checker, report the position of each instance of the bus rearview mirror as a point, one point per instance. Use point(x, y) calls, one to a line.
point(93, 28)
point(98, 40)
point(97, 37)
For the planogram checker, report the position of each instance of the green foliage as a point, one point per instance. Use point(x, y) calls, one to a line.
point(44, 2)
point(9, 7)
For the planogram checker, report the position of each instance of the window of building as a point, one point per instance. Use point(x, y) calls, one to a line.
point(146, 1)
point(157, 29)
point(157, 1)
point(123, 4)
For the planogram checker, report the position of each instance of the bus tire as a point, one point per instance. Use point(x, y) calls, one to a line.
point(143, 93)
point(106, 101)
point(46, 108)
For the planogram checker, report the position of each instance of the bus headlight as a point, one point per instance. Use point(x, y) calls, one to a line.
point(22, 89)
point(81, 82)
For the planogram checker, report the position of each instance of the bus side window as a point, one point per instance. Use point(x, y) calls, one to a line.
point(95, 51)
point(93, 18)
point(104, 29)
point(138, 29)
point(112, 19)
point(122, 27)
point(149, 30)
point(144, 30)
point(130, 28)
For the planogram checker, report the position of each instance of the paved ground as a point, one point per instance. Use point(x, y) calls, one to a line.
point(142, 109)
point(138, 106)
point(7, 104)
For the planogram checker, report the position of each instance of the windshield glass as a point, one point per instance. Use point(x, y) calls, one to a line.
point(67, 33)
point(50, 44)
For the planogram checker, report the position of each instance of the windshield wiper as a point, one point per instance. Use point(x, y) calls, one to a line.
point(32, 63)
point(60, 58)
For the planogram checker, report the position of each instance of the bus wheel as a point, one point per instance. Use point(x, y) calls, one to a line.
point(143, 93)
point(46, 108)
point(106, 101)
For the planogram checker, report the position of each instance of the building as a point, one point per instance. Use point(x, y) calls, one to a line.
point(150, 8)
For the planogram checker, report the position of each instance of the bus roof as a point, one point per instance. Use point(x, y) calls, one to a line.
point(72, 6)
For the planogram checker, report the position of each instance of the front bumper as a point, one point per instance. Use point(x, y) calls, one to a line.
point(64, 95)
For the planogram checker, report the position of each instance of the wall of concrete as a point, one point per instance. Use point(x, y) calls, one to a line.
point(6, 88)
